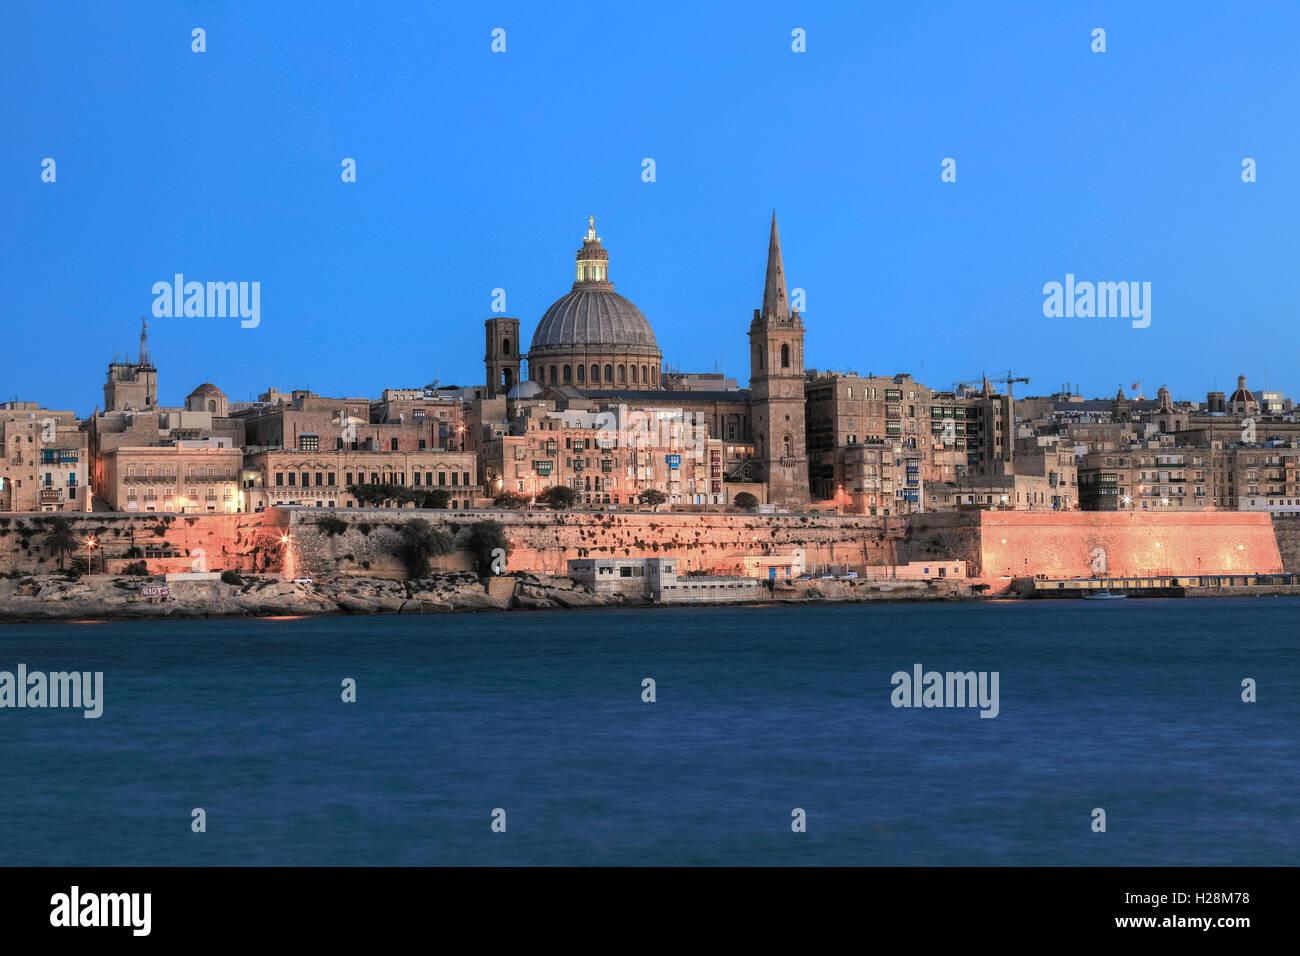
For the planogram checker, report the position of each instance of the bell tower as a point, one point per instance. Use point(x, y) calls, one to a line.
point(502, 356)
point(776, 386)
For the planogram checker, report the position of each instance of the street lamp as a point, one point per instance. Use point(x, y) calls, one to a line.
point(90, 544)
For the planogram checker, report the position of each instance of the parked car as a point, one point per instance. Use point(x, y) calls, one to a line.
point(849, 576)
point(827, 577)
point(805, 577)
point(302, 581)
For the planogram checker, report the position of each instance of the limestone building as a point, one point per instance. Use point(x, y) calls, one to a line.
point(44, 460)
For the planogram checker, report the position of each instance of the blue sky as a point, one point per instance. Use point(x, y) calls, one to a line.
point(478, 170)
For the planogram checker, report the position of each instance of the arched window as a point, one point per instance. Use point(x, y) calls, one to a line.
point(645, 374)
point(552, 374)
point(633, 374)
point(759, 354)
point(507, 378)
point(622, 374)
point(568, 374)
point(582, 373)
point(505, 346)
point(212, 406)
point(788, 445)
point(785, 356)
point(609, 373)
point(595, 373)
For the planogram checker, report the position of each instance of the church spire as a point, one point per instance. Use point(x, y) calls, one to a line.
point(775, 305)
point(145, 360)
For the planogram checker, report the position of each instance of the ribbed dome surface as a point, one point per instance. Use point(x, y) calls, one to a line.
point(593, 317)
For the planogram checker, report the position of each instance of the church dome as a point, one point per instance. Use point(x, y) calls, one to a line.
point(524, 390)
point(595, 318)
point(593, 337)
point(1242, 395)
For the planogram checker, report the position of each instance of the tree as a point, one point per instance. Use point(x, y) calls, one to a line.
point(559, 497)
point(510, 499)
point(433, 498)
point(652, 497)
point(484, 538)
point(376, 494)
point(420, 542)
point(61, 540)
point(745, 501)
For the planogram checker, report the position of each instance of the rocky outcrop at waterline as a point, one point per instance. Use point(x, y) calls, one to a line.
point(98, 597)
point(103, 597)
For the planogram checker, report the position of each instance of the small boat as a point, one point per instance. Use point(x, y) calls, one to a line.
point(1103, 595)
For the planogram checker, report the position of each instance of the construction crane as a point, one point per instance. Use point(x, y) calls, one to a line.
point(1008, 379)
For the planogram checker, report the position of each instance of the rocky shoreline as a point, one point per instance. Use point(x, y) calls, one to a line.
point(108, 598)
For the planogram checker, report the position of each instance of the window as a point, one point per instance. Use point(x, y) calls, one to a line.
point(415, 479)
point(455, 478)
point(347, 478)
point(309, 442)
point(330, 480)
point(785, 356)
point(279, 478)
point(320, 479)
point(442, 478)
point(465, 482)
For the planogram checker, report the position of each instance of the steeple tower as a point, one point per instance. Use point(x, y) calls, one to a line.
point(776, 308)
point(145, 360)
point(776, 386)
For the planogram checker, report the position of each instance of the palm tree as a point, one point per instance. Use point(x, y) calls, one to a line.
point(61, 540)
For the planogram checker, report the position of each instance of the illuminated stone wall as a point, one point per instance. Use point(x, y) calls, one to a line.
point(545, 542)
point(993, 544)
point(1067, 544)
point(241, 542)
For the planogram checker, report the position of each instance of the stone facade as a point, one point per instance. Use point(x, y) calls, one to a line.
point(320, 479)
point(44, 460)
point(186, 478)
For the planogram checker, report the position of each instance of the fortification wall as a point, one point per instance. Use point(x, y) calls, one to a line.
point(1287, 532)
point(1067, 544)
point(243, 542)
point(544, 542)
point(367, 541)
